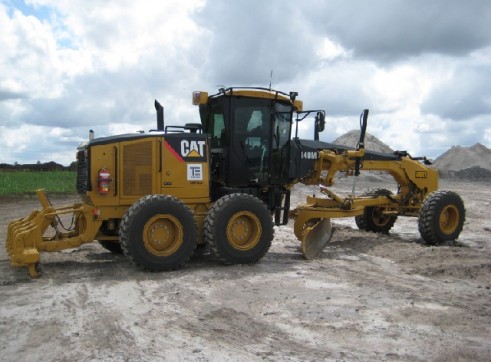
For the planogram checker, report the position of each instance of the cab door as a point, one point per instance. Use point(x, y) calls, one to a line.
point(251, 142)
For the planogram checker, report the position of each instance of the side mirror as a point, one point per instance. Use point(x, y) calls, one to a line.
point(320, 124)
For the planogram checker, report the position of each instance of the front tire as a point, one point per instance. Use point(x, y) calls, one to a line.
point(158, 232)
point(373, 219)
point(441, 217)
point(239, 229)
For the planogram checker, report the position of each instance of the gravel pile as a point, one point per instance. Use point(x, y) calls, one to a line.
point(474, 173)
point(372, 143)
point(460, 158)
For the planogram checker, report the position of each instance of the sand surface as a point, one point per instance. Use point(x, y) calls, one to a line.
point(367, 297)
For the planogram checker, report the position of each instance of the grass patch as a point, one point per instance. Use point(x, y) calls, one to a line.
point(26, 182)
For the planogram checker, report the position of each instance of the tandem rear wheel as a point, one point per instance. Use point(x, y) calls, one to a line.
point(238, 229)
point(158, 233)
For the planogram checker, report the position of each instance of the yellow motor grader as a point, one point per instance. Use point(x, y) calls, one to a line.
point(225, 182)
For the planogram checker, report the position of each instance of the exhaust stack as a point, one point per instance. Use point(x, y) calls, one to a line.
point(160, 116)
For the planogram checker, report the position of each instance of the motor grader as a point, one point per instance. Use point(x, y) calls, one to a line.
point(224, 183)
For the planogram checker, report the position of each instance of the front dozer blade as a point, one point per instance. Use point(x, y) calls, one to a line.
point(315, 238)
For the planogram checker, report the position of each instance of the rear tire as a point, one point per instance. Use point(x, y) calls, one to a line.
point(158, 232)
point(373, 219)
point(441, 217)
point(238, 229)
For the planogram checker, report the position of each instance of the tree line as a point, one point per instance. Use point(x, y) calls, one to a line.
point(39, 166)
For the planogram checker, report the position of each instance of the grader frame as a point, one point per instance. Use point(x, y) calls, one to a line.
point(172, 192)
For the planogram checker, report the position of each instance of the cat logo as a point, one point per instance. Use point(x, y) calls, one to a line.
point(186, 149)
point(421, 174)
point(193, 148)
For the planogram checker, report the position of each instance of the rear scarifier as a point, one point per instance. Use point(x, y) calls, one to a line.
point(239, 229)
point(441, 217)
point(158, 232)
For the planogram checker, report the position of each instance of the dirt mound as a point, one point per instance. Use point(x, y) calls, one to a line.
point(474, 173)
point(465, 163)
point(461, 158)
point(372, 143)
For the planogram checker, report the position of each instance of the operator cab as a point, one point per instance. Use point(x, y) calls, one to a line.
point(249, 130)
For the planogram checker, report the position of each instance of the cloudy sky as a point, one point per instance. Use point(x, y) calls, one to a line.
point(423, 68)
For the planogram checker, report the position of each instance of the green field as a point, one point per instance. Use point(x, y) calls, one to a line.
point(27, 182)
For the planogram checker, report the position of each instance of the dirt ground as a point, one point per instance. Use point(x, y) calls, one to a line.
point(367, 297)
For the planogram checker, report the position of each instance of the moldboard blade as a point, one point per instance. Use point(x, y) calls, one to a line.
point(315, 238)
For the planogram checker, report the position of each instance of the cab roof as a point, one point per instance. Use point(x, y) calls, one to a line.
point(253, 92)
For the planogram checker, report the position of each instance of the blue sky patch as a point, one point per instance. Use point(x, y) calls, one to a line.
point(38, 11)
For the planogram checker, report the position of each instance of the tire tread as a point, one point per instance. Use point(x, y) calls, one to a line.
point(124, 231)
point(427, 215)
point(211, 220)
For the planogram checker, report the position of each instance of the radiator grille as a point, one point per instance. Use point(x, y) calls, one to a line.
point(137, 169)
point(81, 172)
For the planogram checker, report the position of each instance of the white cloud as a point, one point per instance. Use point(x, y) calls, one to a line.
point(487, 135)
point(465, 94)
point(59, 132)
point(67, 67)
point(402, 85)
point(118, 34)
point(330, 50)
point(29, 144)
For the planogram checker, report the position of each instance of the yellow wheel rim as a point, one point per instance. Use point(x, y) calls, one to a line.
point(162, 235)
point(244, 230)
point(449, 219)
point(379, 218)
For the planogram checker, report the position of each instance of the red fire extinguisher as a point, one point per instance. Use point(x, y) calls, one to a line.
point(104, 179)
